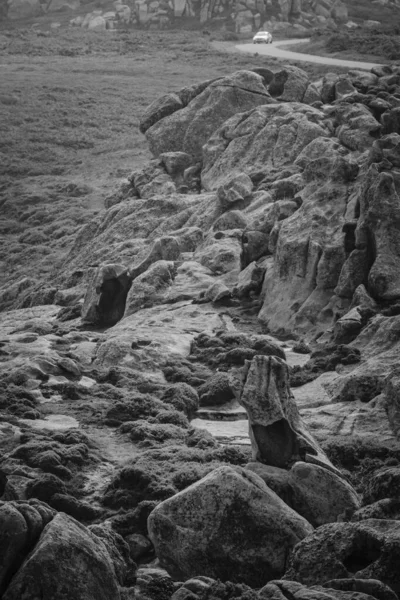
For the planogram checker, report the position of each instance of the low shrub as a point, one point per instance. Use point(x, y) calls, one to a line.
point(383, 42)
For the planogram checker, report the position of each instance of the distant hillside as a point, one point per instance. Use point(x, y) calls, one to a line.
point(240, 16)
point(385, 11)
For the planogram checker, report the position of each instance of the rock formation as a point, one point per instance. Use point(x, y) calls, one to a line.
point(228, 526)
point(277, 432)
point(270, 208)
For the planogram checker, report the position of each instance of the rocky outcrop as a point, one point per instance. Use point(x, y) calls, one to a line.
point(67, 560)
point(271, 136)
point(192, 122)
point(197, 530)
point(365, 550)
point(274, 209)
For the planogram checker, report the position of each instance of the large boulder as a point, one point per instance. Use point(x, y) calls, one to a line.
point(366, 550)
point(317, 494)
point(268, 136)
point(21, 524)
point(188, 128)
point(67, 562)
point(336, 589)
point(229, 525)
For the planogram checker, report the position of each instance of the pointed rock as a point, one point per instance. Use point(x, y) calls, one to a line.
point(278, 435)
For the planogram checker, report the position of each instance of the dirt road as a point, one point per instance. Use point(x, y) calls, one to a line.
point(278, 50)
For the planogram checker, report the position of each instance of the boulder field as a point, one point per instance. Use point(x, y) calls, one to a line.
point(203, 403)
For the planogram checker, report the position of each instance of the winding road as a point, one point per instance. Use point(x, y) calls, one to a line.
point(278, 50)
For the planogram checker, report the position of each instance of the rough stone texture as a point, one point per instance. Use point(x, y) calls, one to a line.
point(105, 298)
point(289, 84)
point(21, 524)
point(389, 508)
point(196, 532)
point(250, 280)
point(346, 589)
point(150, 287)
point(278, 435)
point(365, 550)
point(68, 561)
point(235, 190)
point(317, 494)
point(187, 129)
point(152, 179)
point(378, 224)
point(269, 135)
point(299, 292)
point(385, 483)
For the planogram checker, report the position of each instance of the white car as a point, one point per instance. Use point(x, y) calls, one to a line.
point(262, 37)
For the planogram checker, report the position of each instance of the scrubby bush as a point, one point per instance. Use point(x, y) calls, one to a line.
point(182, 397)
point(383, 42)
point(160, 473)
point(133, 408)
point(171, 416)
point(153, 433)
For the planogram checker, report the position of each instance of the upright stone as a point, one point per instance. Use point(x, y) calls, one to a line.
point(278, 435)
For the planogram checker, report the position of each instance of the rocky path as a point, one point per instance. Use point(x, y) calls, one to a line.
point(278, 50)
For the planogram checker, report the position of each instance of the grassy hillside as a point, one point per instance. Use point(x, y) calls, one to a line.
point(70, 102)
point(363, 10)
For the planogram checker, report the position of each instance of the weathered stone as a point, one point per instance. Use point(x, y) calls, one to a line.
point(348, 327)
point(106, 294)
point(289, 84)
point(268, 136)
point(66, 548)
point(164, 249)
point(317, 494)
point(255, 244)
point(337, 589)
point(344, 88)
point(235, 190)
point(233, 219)
point(388, 508)
point(14, 541)
point(357, 128)
point(369, 587)
point(152, 180)
point(196, 531)
point(311, 94)
point(159, 109)
point(187, 129)
point(384, 483)
point(139, 545)
point(216, 292)
point(391, 121)
point(365, 550)
point(150, 287)
point(378, 229)
point(278, 435)
point(250, 280)
point(175, 162)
